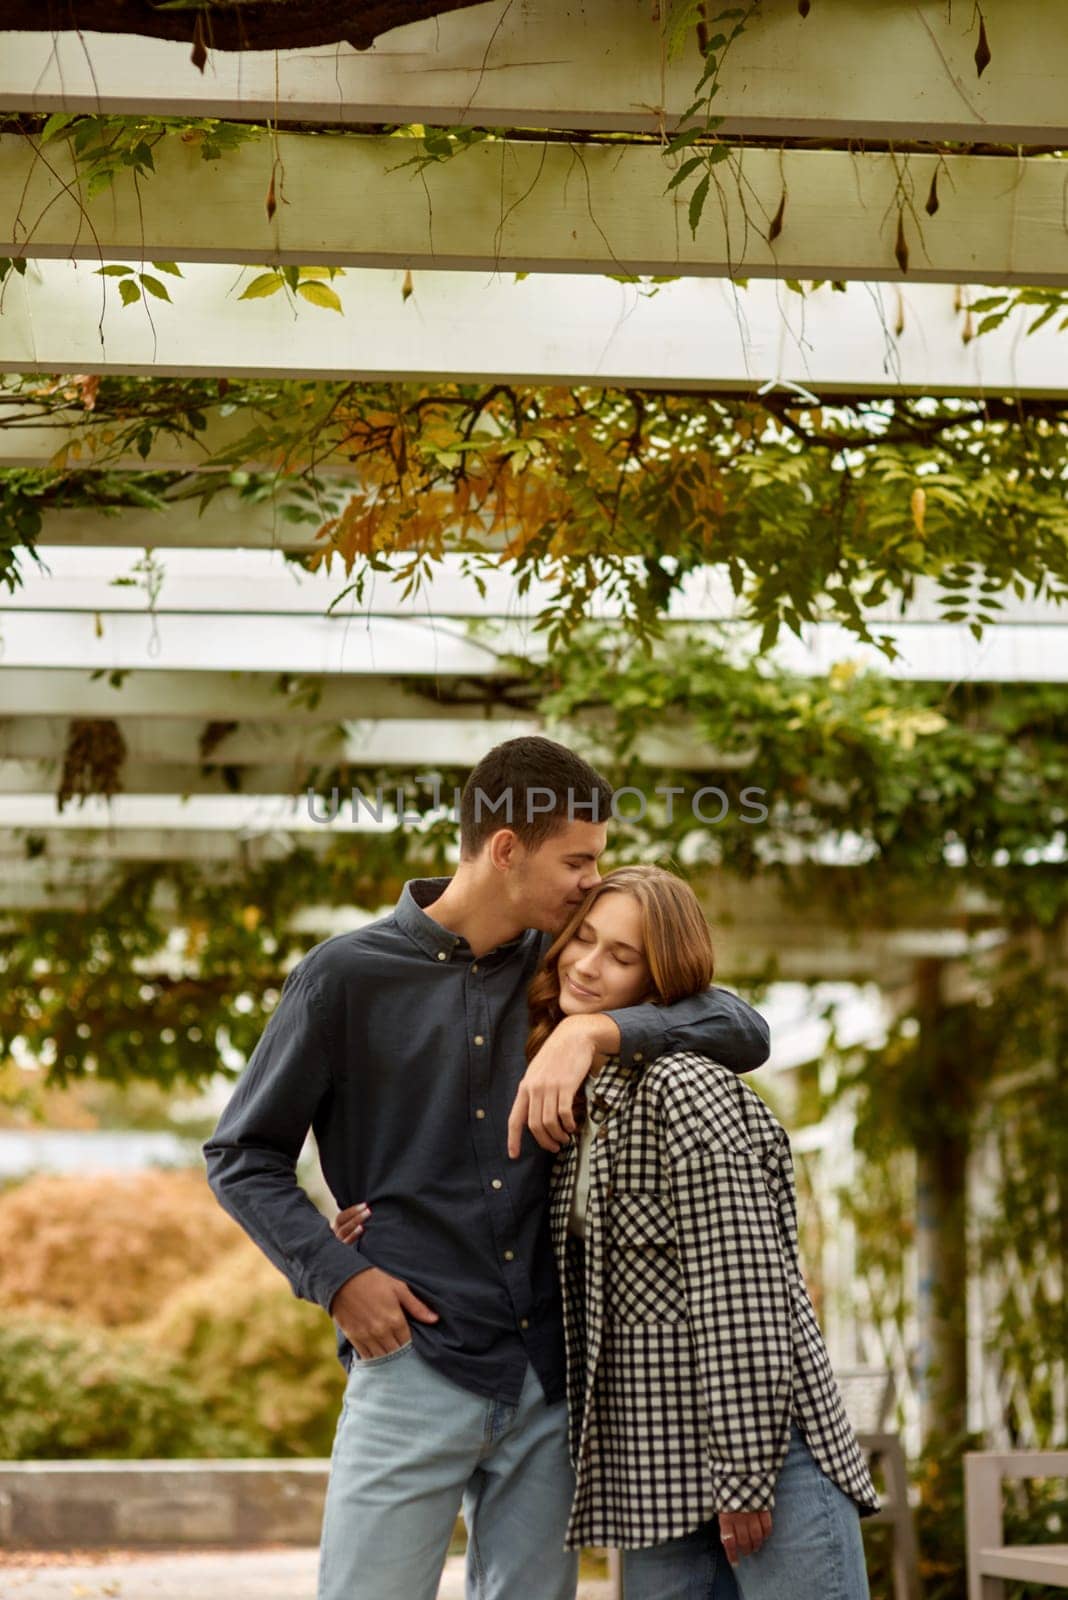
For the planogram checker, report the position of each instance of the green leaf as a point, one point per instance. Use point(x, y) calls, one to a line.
point(55, 124)
point(96, 183)
point(320, 294)
point(684, 171)
point(679, 141)
point(113, 271)
point(168, 266)
point(129, 291)
point(155, 287)
point(697, 203)
point(291, 275)
point(263, 285)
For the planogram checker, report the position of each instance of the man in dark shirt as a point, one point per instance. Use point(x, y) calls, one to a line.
point(402, 1046)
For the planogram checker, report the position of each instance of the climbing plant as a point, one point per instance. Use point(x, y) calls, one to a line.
point(811, 512)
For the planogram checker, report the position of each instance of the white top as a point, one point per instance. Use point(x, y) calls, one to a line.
point(576, 1222)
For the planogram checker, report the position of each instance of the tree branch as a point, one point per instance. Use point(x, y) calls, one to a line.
point(237, 25)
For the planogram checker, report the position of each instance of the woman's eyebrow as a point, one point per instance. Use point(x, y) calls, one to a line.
point(620, 944)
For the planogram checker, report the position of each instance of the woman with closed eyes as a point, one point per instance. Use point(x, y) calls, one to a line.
point(707, 1433)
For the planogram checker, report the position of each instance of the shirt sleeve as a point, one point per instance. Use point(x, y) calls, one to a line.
point(736, 1272)
point(252, 1155)
point(713, 1023)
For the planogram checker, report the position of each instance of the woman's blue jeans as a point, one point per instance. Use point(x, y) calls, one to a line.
point(814, 1551)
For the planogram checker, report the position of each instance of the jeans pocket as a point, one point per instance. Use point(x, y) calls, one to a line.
point(380, 1361)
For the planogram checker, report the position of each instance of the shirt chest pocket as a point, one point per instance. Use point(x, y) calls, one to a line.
point(643, 1280)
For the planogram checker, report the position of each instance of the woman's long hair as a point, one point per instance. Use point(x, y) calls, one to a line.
point(675, 938)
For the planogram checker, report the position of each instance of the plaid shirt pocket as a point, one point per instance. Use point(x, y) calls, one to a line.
point(643, 1279)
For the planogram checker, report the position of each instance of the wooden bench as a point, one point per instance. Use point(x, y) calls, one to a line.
point(990, 1559)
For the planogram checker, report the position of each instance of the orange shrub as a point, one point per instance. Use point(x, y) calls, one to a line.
point(111, 1247)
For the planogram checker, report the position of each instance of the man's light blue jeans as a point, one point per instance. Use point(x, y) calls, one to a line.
point(814, 1550)
point(411, 1448)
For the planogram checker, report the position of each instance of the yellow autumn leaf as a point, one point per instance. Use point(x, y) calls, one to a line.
point(264, 284)
point(320, 294)
point(919, 509)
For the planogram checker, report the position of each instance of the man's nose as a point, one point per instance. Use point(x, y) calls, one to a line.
point(590, 880)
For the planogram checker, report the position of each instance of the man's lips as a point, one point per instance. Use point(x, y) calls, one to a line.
point(583, 994)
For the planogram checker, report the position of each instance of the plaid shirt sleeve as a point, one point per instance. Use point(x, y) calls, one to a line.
point(736, 1259)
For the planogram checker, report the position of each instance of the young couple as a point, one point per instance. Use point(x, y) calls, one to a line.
point(596, 1335)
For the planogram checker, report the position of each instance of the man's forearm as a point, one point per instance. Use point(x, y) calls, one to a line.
point(714, 1023)
point(259, 1189)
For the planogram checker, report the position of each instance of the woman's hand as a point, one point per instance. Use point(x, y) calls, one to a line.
point(349, 1224)
point(743, 1532)
point(547, 1090)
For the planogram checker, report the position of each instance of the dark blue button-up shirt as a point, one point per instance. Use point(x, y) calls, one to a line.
point(403, 1053)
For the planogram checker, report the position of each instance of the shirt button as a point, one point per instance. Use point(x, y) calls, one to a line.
point(602, 1133)
point(442, 955)
point(638, 1055)
point(479, 1039)
point(509, 1255)
point(479, 1113)
point(474, 966)
point(523, 1323)
point(496, 1184)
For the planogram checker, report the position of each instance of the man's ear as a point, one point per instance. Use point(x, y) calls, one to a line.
point(504, 849)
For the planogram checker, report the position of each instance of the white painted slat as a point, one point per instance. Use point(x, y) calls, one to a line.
point(846, 71)
point(121, 641)
point(531, 207)
point(694, 333)
point(234, 814)
point(228, 696)
point(40, 742)
point(214, 583)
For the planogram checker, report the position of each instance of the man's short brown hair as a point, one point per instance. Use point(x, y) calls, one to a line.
point(533, 786)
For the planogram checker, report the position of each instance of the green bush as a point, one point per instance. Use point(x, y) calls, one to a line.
point(262, 1360)
point(68, 1393)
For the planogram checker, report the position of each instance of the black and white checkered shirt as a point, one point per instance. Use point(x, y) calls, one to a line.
point(692, 1343)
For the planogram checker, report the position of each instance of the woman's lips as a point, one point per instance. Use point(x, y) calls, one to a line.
point(583, 994)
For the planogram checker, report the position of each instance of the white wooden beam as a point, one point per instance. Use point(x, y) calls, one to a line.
point(548, 328)
point(229, 696)
point(213, 584)
point(153, 744)
point(124, 641)
point(288, 777)
point(241, 815)
point(527, 206)
point(892, 71)
point(67, 850)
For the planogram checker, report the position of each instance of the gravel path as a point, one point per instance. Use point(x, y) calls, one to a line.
point(280, 1574)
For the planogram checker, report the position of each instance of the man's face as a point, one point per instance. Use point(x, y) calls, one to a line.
point(549, 882)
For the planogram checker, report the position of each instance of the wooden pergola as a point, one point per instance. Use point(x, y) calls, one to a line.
point(843, 151)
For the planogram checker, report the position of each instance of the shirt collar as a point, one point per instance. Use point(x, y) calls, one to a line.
point(434, 940)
